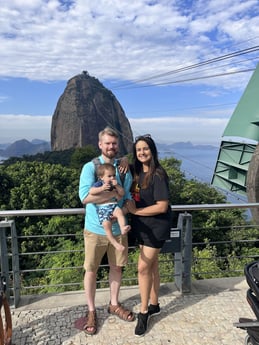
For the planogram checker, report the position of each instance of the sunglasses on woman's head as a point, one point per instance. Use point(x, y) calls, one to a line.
point(142, 136)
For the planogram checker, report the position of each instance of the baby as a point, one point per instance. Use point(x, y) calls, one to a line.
point(106, 174)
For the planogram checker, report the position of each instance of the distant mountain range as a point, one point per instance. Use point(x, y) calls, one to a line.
point(24, 147)
point(184, 145)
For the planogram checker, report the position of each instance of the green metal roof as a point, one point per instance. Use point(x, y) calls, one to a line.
point(232, 166)
point(234, 157)
point(244, 122)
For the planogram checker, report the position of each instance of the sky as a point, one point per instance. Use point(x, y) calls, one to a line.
point(178, 68)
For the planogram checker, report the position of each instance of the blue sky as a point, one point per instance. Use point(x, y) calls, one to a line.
point(155, 56)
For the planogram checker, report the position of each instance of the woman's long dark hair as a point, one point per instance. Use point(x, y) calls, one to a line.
point(154, 167)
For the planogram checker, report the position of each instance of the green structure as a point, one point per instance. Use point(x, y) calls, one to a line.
point(241, 137)
point(232, 166)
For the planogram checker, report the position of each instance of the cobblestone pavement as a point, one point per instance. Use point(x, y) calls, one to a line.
point(205, 316)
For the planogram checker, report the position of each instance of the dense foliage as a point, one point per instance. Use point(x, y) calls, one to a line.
point(50, 181)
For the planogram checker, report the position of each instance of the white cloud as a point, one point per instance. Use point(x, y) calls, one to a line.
point(123, 40)
point(120, 41)
point(163, 129)
point(17, 127)
point(181, 129)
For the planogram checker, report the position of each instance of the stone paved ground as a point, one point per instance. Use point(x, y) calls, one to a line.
point(205, 316)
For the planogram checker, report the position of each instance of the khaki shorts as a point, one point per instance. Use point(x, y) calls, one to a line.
point(97, 245)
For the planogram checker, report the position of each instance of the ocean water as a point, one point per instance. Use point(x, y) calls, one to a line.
point(198, 164)
point(2, 159)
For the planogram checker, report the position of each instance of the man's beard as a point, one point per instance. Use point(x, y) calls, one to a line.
point(111, 154)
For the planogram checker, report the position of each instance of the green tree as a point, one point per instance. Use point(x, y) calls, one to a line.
point(6, 185)
point(52, 157)
point(209, 223)
point(64, 267)
point(38, 185)
point(83, 155)
point(205, 263)
point(176, 179)
point(195, 193)
point(237, 261)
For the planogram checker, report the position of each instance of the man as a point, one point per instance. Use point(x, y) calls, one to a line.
point(96, 242)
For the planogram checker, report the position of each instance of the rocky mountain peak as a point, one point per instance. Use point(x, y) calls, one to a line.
point(84, 109)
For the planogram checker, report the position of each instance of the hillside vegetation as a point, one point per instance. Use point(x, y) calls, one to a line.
point(50, 181)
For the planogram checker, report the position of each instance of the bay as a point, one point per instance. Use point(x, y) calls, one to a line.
point(197, 163)
point(2, 159)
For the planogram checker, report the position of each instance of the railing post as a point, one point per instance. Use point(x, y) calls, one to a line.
point(178, 270)
point(174, 246)
point(180, 244)
point(15, 269)
point(4, 257)
point(15, 265)
point(185, 223)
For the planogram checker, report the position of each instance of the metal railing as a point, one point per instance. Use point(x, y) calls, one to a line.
point(182, 253)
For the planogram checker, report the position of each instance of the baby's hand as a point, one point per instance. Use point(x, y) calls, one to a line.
point(114, 182)
point(107, 187)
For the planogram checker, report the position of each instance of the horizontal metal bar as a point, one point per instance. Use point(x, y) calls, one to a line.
point(51, 269)
point(211, 206)
point(52, 252)
point(194, 244)
point(48, 236)
point(41, 212)
point(50, 285)
point(78, 211)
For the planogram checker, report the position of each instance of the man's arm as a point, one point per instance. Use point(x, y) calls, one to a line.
point(101, 198)
point(96, 190)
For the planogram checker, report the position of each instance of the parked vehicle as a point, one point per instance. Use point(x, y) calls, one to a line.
point(251, 271)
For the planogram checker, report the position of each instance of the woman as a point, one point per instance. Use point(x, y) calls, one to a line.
point(151, 222)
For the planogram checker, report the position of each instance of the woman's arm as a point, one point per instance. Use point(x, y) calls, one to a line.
point(159, 207)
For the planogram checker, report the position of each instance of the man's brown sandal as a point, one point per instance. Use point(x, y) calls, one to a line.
point(121, 312)
point(90, 327)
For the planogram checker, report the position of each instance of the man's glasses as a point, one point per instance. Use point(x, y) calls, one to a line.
point(142, 136)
